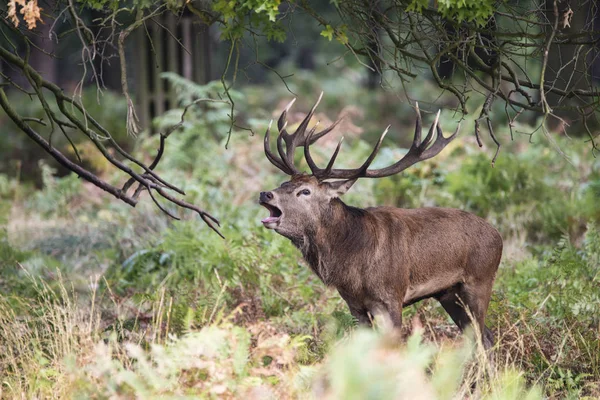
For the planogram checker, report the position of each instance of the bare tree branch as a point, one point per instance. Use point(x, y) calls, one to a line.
point(67, 117)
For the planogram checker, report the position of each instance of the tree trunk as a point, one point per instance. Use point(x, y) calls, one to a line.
point(568, 65)
point(42, 58)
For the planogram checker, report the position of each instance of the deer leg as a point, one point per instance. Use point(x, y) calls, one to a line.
point(454, 308)
point(381, 318)
point(395, 312)
point(476, 300)
point(388, 317)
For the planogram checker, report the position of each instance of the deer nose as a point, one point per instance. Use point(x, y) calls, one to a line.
point(266, 196)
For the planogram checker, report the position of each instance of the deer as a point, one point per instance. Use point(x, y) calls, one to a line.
point(382, 259)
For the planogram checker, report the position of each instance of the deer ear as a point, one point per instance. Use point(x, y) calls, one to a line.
point(338, 188)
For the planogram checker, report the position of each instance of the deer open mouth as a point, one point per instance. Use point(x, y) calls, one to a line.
point(273, 219)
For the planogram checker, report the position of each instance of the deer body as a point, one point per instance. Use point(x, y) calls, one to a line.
point(381, 259)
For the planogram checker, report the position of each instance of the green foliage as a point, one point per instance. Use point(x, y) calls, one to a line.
point(10, 257)
point(8, 187)
point(164, 286)
point(409, 189)
point(206, 123)
point(459, 10)
point(215, 358)
point(21, 156)
point(261, 14)
point(557, 297)
point(114, 5)
point(567, 269)
point(484, 189)
point(57, 193)
point(367, 367)
point(100, 4)
point(503, 193)
point(339, 33)
point(568, 381)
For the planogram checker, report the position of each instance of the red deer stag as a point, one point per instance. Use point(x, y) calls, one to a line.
point(382, 259)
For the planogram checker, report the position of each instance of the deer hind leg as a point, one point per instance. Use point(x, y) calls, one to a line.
point(386, 316)
point(476, 300)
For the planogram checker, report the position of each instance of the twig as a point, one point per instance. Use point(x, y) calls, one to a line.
point(485, 114)
point(226, 89)
point(164, 136)
point(58, 156)
point(545, 107)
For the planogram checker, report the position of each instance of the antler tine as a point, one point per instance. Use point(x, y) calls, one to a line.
point(440, 142)
point(333, 157)
point(369, 160)
point(276, 161)
point(418, 126)
point(419, 151)
point(325, 131)
point(297, 138)
point(362, 170)
point(307, 156)
point(455, 132)
point(319, 172)
point(282, 121)
point(286, 156)
point(330, 173)
point(432, 129)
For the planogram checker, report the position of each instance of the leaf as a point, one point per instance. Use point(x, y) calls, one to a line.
point(341, 35)
point(328, 32)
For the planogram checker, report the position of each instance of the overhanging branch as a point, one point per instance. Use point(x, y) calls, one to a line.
point(66, 117)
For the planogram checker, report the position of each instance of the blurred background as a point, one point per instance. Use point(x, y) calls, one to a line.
point(99, 299)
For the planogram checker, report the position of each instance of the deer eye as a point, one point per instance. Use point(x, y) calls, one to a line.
point(304, 192)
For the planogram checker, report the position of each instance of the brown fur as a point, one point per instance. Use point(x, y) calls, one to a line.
point(381, 259)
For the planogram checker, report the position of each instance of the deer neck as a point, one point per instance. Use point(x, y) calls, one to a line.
point(325, 245)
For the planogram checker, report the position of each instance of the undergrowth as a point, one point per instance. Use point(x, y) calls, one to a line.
point(101, 301)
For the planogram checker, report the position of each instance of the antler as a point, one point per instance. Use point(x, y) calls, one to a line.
point(419, 151)
point(285, 160)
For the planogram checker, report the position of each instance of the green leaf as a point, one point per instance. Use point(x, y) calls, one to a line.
point(328, 32)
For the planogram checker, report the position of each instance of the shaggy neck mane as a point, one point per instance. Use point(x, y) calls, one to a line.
point(341, 227)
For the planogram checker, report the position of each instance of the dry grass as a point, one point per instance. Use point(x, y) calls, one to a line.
point(56, 346)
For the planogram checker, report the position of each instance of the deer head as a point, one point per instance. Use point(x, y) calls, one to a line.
point(303, 202)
